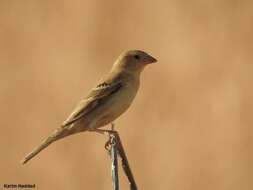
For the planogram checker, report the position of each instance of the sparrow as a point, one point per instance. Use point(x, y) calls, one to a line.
point(110, 98)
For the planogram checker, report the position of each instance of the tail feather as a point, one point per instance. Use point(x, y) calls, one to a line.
point(57, 134)
point(39, 148)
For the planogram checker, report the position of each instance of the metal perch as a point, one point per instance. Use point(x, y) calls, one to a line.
point(115, 147)
point(114, 158)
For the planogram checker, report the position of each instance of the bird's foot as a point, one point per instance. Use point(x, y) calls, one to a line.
point(111, 133)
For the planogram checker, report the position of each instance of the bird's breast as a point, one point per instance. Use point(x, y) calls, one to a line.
point(119, 103)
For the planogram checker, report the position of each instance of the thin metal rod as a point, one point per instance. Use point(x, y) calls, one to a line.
point(114, 158)
point(114, 146)
point(125, 163)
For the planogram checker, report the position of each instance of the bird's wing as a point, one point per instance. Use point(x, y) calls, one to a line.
point(97, 96)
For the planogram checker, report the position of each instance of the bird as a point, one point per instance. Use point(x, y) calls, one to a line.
point(110, 98)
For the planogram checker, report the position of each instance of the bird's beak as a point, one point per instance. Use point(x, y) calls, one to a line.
point(151, 59)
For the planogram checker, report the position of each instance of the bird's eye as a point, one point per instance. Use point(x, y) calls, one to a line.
point(137, 57)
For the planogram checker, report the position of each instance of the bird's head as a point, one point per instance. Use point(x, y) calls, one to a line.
point(134, 61)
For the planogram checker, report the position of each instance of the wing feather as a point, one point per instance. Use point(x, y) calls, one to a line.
point(96, 97)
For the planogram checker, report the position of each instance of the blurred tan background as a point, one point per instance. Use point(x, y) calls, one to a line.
point(190, 127)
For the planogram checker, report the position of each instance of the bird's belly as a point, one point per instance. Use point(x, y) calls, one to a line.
point(117, 106)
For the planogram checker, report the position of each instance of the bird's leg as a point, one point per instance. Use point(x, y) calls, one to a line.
point(105, 131)
point(108, 144)
point(111, 133)
point(112, 126)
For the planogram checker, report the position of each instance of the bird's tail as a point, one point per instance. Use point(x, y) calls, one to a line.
point(37, 149)
point(57, 134)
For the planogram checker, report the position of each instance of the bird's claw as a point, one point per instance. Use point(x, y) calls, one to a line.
point(108, 145)
point(111, 141)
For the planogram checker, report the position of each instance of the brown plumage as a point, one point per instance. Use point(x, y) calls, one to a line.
point(107, 101)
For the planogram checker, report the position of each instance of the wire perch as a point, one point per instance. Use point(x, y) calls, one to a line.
point(115, 147)
point(114, 158)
